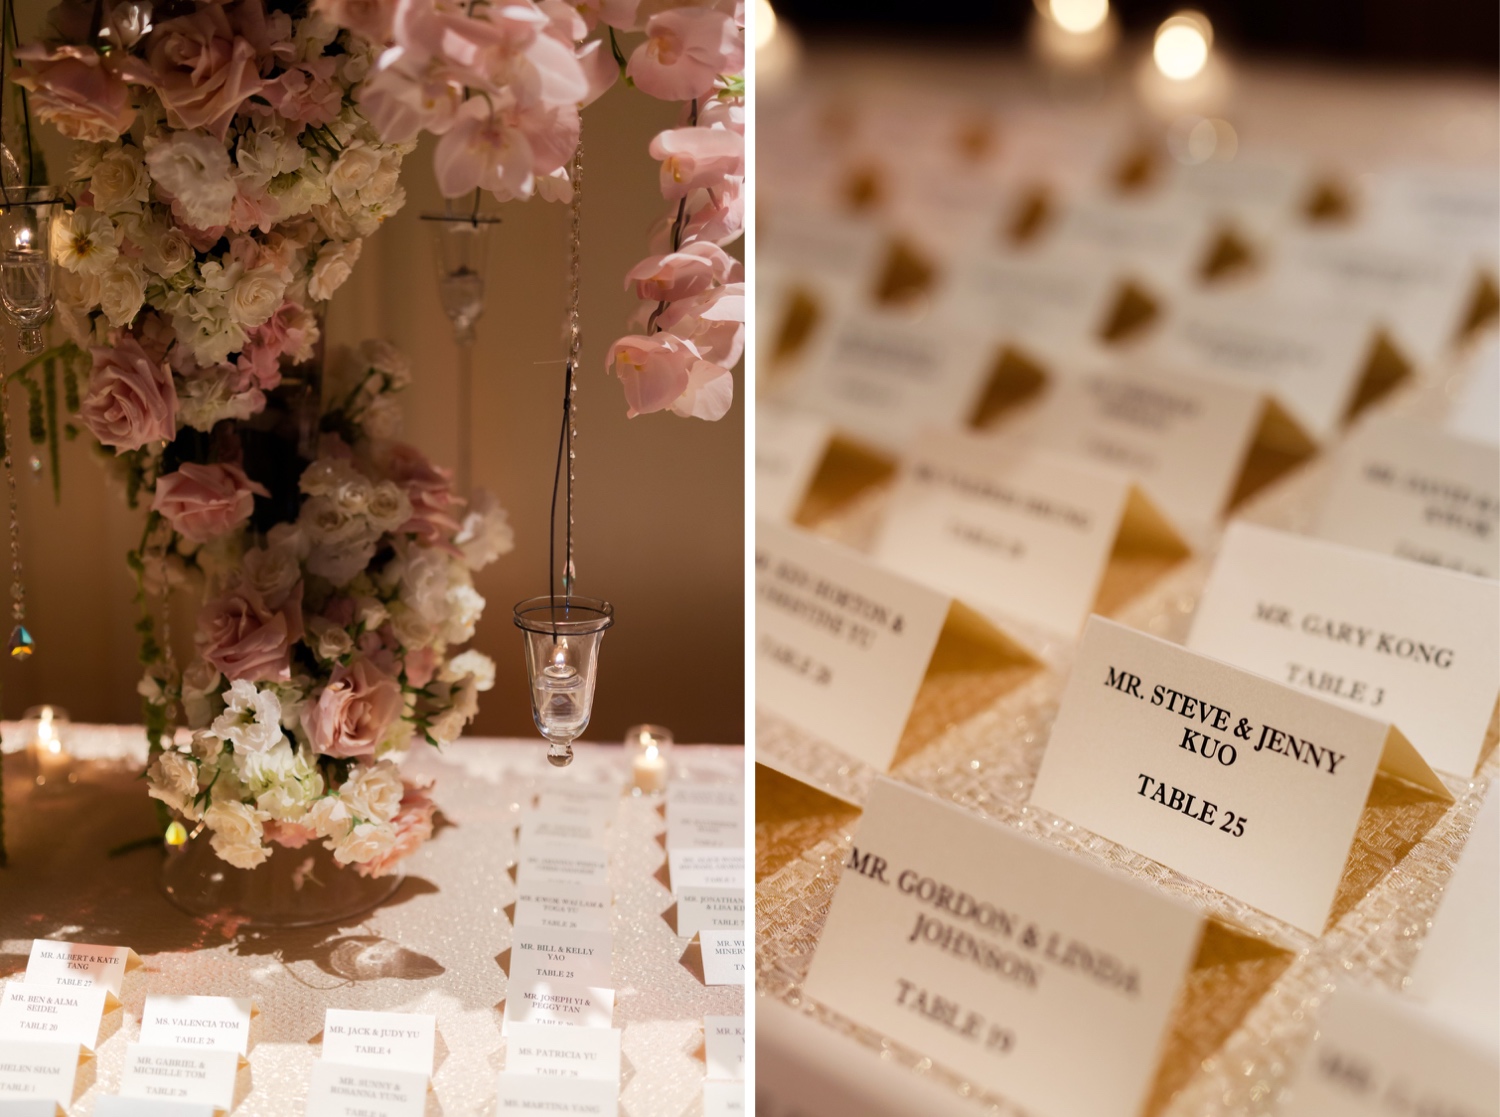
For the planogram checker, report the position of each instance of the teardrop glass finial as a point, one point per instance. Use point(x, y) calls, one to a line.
point(21, 644)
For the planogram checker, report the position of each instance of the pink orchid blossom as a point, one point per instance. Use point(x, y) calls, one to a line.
point(685, 52)
point(697, 158)
point(482, 150)
point(202, 70)
point(682, 274)
point(717, 216)
point(713, 321)
point(401, 104)
point(709, 393)
point(654, 369)
point(203, 502)
point(76, 90)
point(130, 399)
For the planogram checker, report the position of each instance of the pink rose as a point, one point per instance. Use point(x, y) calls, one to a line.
point(685, 51)
point(77, 91)
point(654, 370)
point(292, 835)
point(429, 488)
point(245, 639)
point(679, 275)
point(713, 321)
point(131, 399)
point(307, 93)
point(697, 158)
point(420, 667)
point(353, 711)
point(204, 502)
point(413, 826)
point(369, 19)
point(202, 70)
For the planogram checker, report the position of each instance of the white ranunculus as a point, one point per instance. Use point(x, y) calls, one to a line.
point(335, 262)
point(329, 641)
point(172, 778)
point(119, 181)
point(273, 572)
point(472, 664)
point(84, 241)
point(194, 168)
point(365, 842)
point(122, 290)
point(328, 817)
point(257, 295)
point(353, 171)
point(390, 507)
point(238, 833)
point(266, 153)
point(373, 791)
point(486, 533)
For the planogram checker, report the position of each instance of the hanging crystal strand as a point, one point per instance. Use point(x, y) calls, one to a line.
point(20, 640)
point(575, 341)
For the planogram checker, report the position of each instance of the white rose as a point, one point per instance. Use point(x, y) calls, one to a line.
point(330, 641)
point(164, 248)
point(381, 418)
point(77, 295)
point(328, 817)
point(326, 522)
point(122, 290)
point(352, 496)
point(370, 612)
point(273, 572)
point(84, 241)
point(390, 507)
point(447, 727)
point(465, 607)
point(335, 262)
point(411, 629)
point(194, 168)
point(472, 664)
point(424, 583)
point(119, 181)
point(257, 295)
point(340, 560)
point(353, 171)
point(172, 778)
point(365, 842)
point(373, 791)
point(486, 533)
point(237, 834)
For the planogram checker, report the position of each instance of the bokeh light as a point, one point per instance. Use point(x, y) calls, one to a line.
point(1182, 44)
point(1079, 16)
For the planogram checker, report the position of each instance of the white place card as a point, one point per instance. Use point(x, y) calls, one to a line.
point(724, 1099)
point(563, 1052)
point(111, 1105)
point(1409, 644)
point(789, 447)
point(544, 827)
point(597, 801)
point(44, 1107)
point(1375, 1056)
point(389, 1040)
point(704, 827)
point(553, 955)
point(345, 1091)
point(571, 907)
point(52, 1013)
point(214, 1023)
point(177, 1075)
point(828, 248)
point(1405, 489)
point(724, 1047)
point(706, 868)
point(724, 957)
point(562, 863)
point(79, 964)
point(713, 909)
point(1053, 299)
point(1475, 413)
point(683, 795)
point(1164, 244)
point(998, 954)
point(557, 1003)
point(1185, 438)
point(1252, 786)
point(31, 1070)
point(841, 645)
point(1457, 974)
point(521, 1094)
point(1025, 534)
point(883, 378)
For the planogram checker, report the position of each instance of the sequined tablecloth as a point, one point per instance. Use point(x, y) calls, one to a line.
point(432, 948)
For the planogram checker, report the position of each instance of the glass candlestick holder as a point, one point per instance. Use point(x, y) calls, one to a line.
point(46, 731)
point(650, 750)
point(562, 636)
point(26, 214)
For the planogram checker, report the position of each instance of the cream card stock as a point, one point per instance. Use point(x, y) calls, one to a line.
point(1165, 244)
point(713, 909)
point(342, 1091)
point(1406, 489)
point(563, 1052)
point(524, 1094)
point(543, 954)
point(789, 447)
point(1475, 413)
point(110, 1105)
point(52, 1013)
point(724, 1099)
point(557, 1003)
point(1005, 959)
point(598, 801)
point(724, 957)
point(1457, 974)
point(45, 1107)
point(180, 1075)
point(706, 868)
point(79, 964)
point(551, 827)
point(701, 827)
point(1053, 299)
point(1252, 786)
point(688, 796)
point(573, 907)
point(39, 1070)
point(217, 1023)
point(1377, 1056)
point(388, 1040)
point(563, 863)
point(1022, 533)
point(724, 1047)
point(827, 248)
point(1409, 644)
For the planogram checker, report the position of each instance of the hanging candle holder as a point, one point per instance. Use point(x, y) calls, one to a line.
point(26, 214)
point(562, 636)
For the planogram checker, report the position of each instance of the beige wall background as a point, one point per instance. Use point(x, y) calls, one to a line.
point(659, 500)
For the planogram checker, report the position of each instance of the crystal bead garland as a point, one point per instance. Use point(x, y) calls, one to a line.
point(21, 644)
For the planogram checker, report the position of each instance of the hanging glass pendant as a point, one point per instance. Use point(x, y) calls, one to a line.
point(460, 249)
point(562, 636)
point(20, 643)
point(26, 214)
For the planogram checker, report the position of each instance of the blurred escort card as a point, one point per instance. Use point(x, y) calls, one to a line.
point(109, 1105)
point(561, 862)
point(213, 1022)
point(79, 964)
point(1026, 534)
point(344, 1091)
point(526, 1094)
point(1055, 298)
point(724, 1047)
point(180, 1075)
point(1252, 786)
point(1006, 959)
point(544, 826)
point(576, 907)
point(1413, 645)
point(841, 645)
point(563, 1052)
point(39, 1070)
point(1376, 1055)
point(789, 447)
point(558, 1002)
point(597, 800)
point(1408, 490)
point(724, 960)
point(388, 1040)
point(45, 1107)
point(724, 1099)
point(52, 1013)
point(543, 954)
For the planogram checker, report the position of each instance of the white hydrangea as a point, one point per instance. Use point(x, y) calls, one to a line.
point(194, 168)
point(472, 664)
point(208, 399)
point(251, 720)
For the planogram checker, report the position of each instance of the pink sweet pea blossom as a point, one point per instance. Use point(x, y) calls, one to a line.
point(76, 90)
point(130, 399)
point(202, 70)
point(713, 321)
point(681, 274)
point(697, 158)
point(203, 502)
point(655, 370)
point(685, 51)
point(245, 639)
point(354, 711)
